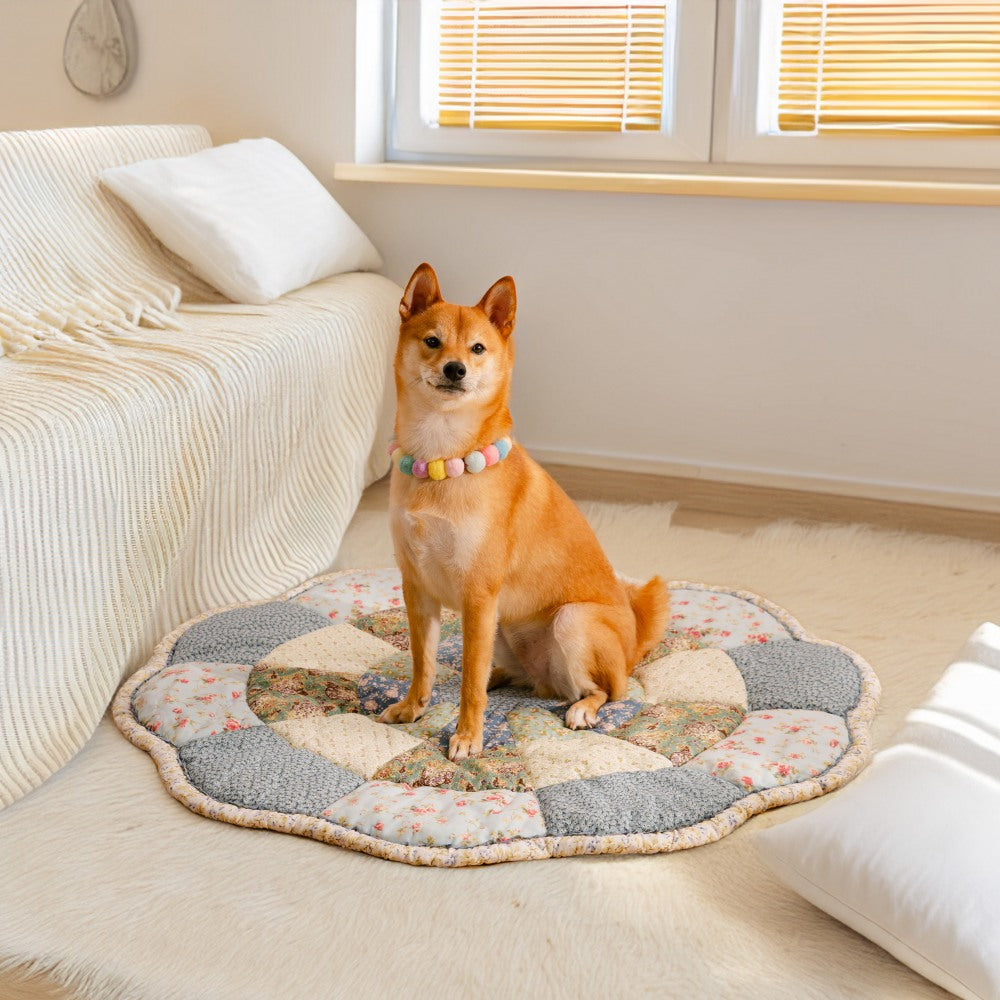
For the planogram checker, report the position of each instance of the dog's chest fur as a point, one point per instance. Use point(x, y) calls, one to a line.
point(436, 433)
point(441, 548)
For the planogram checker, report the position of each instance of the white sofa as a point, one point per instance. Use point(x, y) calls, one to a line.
point(186, 454)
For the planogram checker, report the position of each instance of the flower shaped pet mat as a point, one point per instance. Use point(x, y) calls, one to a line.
point(266, 715)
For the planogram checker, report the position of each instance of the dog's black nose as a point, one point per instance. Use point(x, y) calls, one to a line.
point(454, 371)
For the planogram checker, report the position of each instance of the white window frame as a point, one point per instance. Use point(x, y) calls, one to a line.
point(745, 85)
point(686, 135)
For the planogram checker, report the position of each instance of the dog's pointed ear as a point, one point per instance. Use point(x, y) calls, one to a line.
point(500, 304)
point(421, 293)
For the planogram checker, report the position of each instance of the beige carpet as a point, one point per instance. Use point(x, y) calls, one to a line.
point(110, 884)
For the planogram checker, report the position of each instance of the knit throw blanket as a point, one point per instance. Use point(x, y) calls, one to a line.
point(78, 267)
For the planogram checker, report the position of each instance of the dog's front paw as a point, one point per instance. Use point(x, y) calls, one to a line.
point(403, 711)
point(582, 715)
point(462, 745)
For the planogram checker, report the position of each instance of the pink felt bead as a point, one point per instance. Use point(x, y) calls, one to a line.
point(393, 445)
point(454, 467)
point(420, 470)
point(491, 454)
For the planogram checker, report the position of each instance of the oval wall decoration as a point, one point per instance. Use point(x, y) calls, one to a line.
point(96, 53)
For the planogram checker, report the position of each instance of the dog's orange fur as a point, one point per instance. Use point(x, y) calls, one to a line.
point(505, 547)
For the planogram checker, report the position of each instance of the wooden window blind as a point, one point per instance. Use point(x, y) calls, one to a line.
point(555, 66)
point(890, 67)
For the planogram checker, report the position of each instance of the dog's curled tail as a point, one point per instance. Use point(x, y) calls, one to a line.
point(651, 606)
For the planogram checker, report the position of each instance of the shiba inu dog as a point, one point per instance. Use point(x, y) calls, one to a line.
point(479, 527)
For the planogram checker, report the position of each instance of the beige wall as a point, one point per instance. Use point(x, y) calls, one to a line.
point(242, 68)
point(855, 342)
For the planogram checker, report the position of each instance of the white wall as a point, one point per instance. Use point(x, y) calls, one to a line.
point(842, 341)
point(853, 341)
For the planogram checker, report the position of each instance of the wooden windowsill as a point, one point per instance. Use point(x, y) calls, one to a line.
point(802, 188)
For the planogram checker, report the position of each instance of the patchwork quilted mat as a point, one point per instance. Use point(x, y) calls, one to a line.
point(266, 715)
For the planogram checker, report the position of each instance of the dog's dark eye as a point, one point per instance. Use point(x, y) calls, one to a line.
point(432, 342)
point(477, 349)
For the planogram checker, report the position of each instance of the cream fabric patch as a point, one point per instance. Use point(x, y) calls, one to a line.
point(352, 741)
point(702, 675)
point(340, 649)
point(584, 755)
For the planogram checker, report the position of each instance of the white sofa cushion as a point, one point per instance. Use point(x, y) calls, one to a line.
point(247, 217)
point(907, 855)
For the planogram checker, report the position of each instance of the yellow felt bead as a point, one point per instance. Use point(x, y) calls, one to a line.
point(436, 469)
point(396, 455)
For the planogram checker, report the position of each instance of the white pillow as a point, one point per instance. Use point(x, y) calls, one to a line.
point(248, 218)
point(909, 854)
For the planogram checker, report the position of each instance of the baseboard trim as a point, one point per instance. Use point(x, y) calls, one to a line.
point(980, 503)
point(739, 507)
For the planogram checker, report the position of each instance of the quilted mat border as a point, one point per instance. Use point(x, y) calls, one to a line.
point(165, 756)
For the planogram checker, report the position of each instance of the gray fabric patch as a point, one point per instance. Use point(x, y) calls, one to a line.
point(793, 674)
point(255, 768)
point(634, 802)
point(246, 635)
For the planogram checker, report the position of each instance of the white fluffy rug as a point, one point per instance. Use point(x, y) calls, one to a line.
point(114, 888)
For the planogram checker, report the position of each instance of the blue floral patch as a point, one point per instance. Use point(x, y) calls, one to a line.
point(610, 715)
point(496, 732)
point(613, 714)
point(376, 692)
point(450, 651)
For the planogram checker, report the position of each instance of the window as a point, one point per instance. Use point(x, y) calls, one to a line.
point(889, 83)
point(892, 83)
point(887, 68)
point(579, 69)
point(567, 78)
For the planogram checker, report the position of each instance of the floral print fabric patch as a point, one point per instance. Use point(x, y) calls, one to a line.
point(438, 816)
point(192, 700)
point(674, 754)
point(355, 594)
point(776, 748)
point(721, 620)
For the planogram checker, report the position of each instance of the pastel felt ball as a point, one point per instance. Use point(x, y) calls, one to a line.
point(435, 469)
point(396, 455)
point(419, 470)
point(406, 465)
point(393, 445)
point(503, 447)
point(454, 467)
point(491, 454)
point(475, 461)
